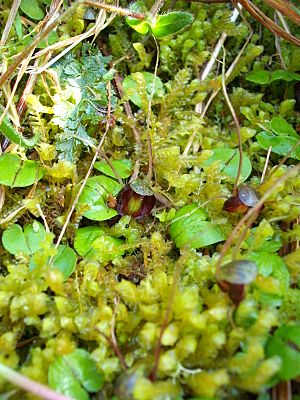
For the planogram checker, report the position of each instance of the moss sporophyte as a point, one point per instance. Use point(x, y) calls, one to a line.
point(136, 199)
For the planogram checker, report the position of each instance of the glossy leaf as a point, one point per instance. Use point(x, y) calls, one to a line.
point(229, 162)
point(280, 144)
point(131, 86)
point(75, 375)
point(281, 127)
point(263, 77)
point(65, 260)
point(123, 168)
point(32, 9)
point(190, 228)
point(17, 241)
point(284, 75)
point(92, 243)
point(285, 343)
point(170, 23)
point(15, 172)
point(94, 197)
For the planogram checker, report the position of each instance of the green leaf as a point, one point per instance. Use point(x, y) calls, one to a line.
point(94, 197)
point(65, 260)
point(229, 163)
point(15, 172)
point(280, 144)
point(281, 127)
point(91, 242)
point(284, 75)
point(14, 241)
point(84, 238)
point(17, 241)
point(190, 228)
point(131, 86)
point(18, 26)
point(51, 39)
point(285, 343)
point(170, 23)
point(141, 26)
point(75, 375)
point(8, 130)
point(84, 368)
point(123, 168)
point(32, 9)
point(262, 77)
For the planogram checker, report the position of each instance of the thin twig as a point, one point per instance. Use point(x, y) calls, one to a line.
point(42, 215)
point(128, 111)
point(150, 149)
point(266, 165)
point(12, 14)
point(236, 121)
point(29, 385)
point(118, 10)
point(117, 175)
point(209, 66)
point(99, 25)
point(48, 27)
point(252, 211)
point(278, 47)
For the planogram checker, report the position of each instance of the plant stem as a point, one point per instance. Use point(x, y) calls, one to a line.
point(118, 10)
point(236, 121)
point(252, 211)
point(156, 7)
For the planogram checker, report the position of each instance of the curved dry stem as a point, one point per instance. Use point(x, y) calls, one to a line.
point(252, 211)
point(149, 143)
point(10, 20)
point(236, 121)
point(47, 28)
point(29, 385)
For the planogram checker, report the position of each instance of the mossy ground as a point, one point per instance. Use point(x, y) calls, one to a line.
point(139, 295)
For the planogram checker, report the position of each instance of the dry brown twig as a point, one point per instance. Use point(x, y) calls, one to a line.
point(252, 212)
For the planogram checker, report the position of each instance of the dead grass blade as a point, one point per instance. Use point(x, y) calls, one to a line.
point(285, 8)
point(266, 21)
